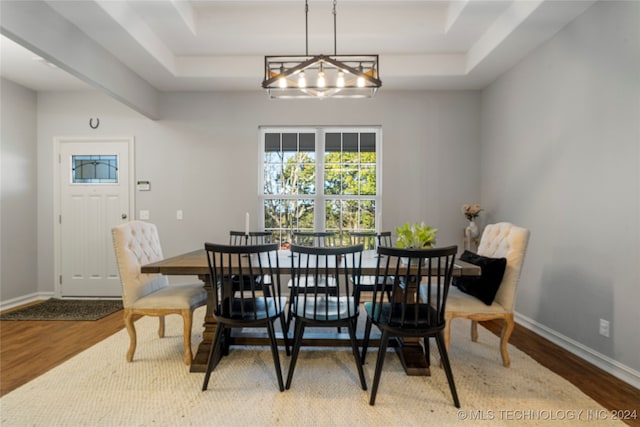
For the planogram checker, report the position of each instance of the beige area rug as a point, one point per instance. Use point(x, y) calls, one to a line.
point(99, 388)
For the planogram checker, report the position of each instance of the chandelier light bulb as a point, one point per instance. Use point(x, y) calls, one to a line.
point(360, 78)
point(340, 80)
point(321, 80)
point(302, 81)
point(282, 81)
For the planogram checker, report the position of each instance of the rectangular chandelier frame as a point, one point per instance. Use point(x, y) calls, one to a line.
point(321, 76)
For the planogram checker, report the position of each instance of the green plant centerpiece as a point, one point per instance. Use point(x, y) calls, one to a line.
point(416, 236)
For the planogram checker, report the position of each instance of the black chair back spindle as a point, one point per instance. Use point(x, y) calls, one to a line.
point(385, 239)
point(238, 238)
point(314, 238)
point(366, 238)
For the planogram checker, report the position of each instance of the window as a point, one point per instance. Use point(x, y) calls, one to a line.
point(101, 169)
point(319, 179)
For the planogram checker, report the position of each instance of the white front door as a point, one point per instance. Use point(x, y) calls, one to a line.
point(94, 188)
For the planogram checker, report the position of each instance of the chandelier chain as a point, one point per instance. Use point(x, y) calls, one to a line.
point(335, 43)
point(306, 26)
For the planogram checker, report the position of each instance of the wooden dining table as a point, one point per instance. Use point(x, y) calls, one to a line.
point(194, 263)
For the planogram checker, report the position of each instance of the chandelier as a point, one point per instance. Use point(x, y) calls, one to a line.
point(321, 76)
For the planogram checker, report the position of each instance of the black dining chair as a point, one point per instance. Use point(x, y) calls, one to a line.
point(249, 307)
point(415, 307)
point(324, 293)
point(314, 239)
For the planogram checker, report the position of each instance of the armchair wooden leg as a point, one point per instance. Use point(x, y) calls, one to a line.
point(131, 329)
point(187, 317)
point(474, 330)
point(446, 334)
point(160, 326)
point(507, 329)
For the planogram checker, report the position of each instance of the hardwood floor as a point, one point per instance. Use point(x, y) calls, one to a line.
point(29, 348)
point(49, 344)
point(610, 392)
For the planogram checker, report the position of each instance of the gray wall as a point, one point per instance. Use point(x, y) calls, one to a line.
point(18, 192)
point(202, 157)
point(561, 156)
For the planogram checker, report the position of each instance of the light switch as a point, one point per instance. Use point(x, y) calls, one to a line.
point(179, 215)
point(144, 215)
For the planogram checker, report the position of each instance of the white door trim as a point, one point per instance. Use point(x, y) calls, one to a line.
point(57, 143)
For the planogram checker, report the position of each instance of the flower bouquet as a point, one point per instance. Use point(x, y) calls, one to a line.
point(471, 211)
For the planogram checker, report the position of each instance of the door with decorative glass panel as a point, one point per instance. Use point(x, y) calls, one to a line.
point(94, 190)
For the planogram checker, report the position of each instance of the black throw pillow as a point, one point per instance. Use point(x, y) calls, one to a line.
point(484, 287)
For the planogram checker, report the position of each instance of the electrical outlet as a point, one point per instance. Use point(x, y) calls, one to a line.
point(144, 215)
point(604, 328)
point(179, 215)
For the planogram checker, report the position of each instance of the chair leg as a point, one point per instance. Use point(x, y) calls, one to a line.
point(289, 318)
point(365, 341)
point(427, 352)
point(446, 334)
point(297, 342)
point(356, 354)
point(444, 357)
point(474, 330)
point(379, 363)
point(160, 326)
point(507, 329)
point(131, 329)
point(285, 335)
point(187, 319)
point(226, 341)
point(274, 352)
point(214, 351)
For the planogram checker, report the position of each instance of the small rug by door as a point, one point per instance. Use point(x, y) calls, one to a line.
point(65, 309)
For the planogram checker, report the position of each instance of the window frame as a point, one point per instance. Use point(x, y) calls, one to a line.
point(320, 198)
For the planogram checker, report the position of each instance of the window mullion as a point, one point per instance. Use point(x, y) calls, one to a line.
point(320, 209)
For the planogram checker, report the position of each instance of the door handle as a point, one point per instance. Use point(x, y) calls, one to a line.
point(124, 216)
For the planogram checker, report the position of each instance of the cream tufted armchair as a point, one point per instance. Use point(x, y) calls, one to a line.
point(501, 240)
point(137, 243)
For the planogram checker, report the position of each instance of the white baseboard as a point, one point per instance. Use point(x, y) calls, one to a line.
point(613, 367)
point(25, 299)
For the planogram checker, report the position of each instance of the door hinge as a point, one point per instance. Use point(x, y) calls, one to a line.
point(59, 219)
point(59, 158)
point(60, 279)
